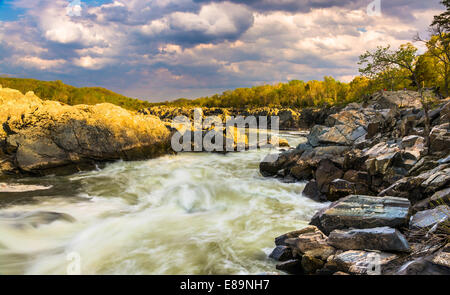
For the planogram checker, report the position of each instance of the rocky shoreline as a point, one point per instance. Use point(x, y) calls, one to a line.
point(390, 191)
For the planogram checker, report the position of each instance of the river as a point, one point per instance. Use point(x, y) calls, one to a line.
point(192, 213)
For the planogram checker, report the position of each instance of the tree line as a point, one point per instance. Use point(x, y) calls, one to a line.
point(382, 69)
point(58, 91)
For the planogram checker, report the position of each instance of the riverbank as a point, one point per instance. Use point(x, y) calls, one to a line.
point(390, 191)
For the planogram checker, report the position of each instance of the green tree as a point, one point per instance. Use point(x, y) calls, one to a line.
point(404, 58)
point(443, 20)
point(439, 44)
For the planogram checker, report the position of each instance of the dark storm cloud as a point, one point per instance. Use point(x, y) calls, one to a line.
point(210, 25)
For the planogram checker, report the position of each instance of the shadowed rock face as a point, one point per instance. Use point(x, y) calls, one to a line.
point(356, 211)
point(42, 137)
point(379, 238)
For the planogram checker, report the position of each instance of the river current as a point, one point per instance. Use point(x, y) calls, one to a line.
point(191, 213)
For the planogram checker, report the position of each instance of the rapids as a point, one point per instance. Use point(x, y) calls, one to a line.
point(192, 213)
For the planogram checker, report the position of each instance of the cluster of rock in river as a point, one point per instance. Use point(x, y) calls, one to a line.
point(39, 137)
point(390, 192)
point(289, 119)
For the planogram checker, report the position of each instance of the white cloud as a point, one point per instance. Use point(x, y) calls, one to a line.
point(177, 48)
point(213, 21)
point(93, 63)
point(39, 63)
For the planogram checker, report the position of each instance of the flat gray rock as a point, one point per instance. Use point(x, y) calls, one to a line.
point(430, 218)
point(379, 238)
point(358, 211)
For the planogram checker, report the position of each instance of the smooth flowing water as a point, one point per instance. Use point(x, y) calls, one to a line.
point(184, 214)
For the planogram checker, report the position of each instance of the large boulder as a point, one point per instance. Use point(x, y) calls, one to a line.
point(312, 191)
point(379, 238)
point(380, 157)
point(43, 137)
point(442, 258)
point(327, 172)
point(281, 240)
point(439, 178)
point(395, 99)
point(303, 169)
point(440, 139)
point(273, 163)
point(357, 211)
point(288, 119)
point(334, 153)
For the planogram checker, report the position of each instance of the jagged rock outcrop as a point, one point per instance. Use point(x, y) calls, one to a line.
point(371, 148)
point(40, 137)
point(391, 99)
point(417, 188)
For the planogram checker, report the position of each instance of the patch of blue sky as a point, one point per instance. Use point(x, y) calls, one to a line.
point(8, 12)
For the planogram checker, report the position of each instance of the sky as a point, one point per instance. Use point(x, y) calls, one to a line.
point(166, 49)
